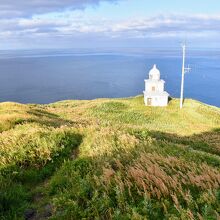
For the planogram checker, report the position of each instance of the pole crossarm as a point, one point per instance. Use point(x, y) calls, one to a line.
point(187, 69)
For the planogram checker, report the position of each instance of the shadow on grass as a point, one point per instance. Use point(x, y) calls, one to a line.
point(208, 142)
point(39, 116)
point(170, 99)
point(48, 118)
point(18, 182)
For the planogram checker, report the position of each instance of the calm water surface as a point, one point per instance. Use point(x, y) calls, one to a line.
point(49, 76)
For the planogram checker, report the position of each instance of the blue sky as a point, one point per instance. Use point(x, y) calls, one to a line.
point(128, 8)
point(108, 23)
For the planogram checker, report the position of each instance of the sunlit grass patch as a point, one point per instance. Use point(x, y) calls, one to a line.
point(12, 114)
point(31, 144)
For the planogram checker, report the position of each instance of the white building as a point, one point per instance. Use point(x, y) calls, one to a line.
point(154, 94)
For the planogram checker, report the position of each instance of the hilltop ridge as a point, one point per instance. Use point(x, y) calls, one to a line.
point(109, 159)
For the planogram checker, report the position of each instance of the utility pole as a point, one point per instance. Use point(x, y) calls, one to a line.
point(184, 70)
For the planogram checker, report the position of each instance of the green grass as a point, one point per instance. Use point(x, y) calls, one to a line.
point(110, 159)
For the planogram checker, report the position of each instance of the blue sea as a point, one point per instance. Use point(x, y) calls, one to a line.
point(45, 76)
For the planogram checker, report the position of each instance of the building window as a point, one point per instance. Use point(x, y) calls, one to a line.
point(153, 88)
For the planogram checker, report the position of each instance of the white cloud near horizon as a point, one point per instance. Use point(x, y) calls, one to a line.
point(170, 25)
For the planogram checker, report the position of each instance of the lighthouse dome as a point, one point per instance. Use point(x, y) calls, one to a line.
point(154, 73)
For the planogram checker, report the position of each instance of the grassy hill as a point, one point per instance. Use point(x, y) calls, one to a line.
point(109, 159)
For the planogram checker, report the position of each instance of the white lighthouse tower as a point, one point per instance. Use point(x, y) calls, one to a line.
point(154, 94)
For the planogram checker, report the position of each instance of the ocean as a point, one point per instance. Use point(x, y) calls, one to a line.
point(46, 76)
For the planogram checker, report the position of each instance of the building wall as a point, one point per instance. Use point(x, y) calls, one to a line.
point(159, 86)
point(156, 100)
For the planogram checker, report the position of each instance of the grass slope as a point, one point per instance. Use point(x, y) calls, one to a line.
point(109, 159)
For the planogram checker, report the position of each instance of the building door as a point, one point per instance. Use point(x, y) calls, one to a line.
point(149, 101)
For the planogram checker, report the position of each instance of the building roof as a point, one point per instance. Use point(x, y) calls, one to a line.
point(154, 73)
point(155, 81)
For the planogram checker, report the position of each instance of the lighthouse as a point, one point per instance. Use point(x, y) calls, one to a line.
point(154, 94)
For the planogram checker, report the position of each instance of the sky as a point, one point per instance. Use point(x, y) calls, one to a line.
point(28, 24)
